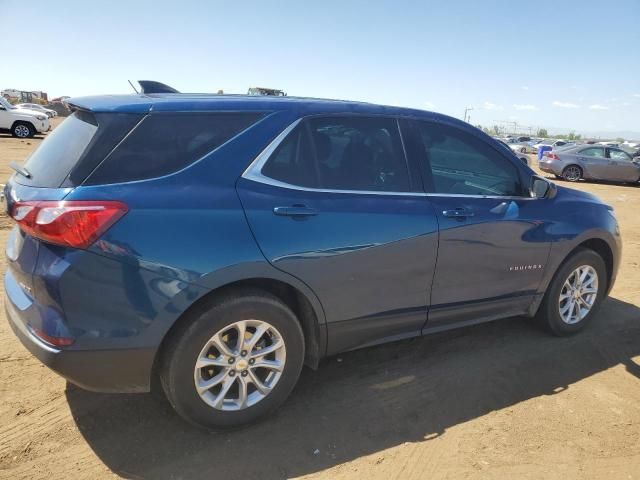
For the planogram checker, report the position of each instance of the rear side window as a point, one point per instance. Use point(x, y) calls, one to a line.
point(342, 153)
point(456, 162)
point(165, 143)
point(293, 161)
point(60, 151)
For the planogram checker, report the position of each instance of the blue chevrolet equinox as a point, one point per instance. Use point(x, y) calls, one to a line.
point(220, 242)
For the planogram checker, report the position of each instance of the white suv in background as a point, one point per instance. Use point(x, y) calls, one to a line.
point(20, 122)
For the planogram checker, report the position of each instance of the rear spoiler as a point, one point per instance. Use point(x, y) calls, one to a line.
point(151, 86)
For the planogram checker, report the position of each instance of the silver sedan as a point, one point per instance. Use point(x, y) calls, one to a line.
point(591, 162)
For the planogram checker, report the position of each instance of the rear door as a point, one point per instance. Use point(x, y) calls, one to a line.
point(621, 167)
point(332, 202)
point(493, 245)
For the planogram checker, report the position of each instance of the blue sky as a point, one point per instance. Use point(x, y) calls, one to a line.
point(555, 64)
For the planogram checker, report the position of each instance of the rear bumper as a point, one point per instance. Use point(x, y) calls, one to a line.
point(114, 370)
point(549, 167)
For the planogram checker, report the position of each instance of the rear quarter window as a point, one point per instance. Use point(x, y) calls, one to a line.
point(50, 164)
point(164, 143)
point(73, 150)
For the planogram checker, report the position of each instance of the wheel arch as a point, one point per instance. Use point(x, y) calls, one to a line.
point(596, 243)
point(19, 122)
point(602, 248)
point(574, 164)
point(304, 305)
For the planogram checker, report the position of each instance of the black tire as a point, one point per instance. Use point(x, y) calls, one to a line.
point(523, 150)
point(184, 346)
point(23, 130)
point(572, 173)
point(548, 314)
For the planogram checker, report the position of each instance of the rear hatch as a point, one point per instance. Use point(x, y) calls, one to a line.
point(62, 162)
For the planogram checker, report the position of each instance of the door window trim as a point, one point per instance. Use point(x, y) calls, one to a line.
point(254, 171)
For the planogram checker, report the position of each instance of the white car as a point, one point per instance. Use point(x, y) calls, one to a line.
point(20, 122)
point(34, 106)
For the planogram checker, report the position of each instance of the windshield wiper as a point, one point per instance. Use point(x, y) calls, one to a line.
point(21, 170)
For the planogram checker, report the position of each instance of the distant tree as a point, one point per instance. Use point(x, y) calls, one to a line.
point(496, 130)
point(574, 136)
point(619, 140)
point(542, 132)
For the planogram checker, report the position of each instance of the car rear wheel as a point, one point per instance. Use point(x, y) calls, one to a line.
point(233, 362)
point(572, 173)
point(23, 130)
point(523, 150)
point(575, 293)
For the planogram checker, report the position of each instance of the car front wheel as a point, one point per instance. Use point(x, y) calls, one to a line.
point(234, 362)
point(23, 130)
point(575, 293)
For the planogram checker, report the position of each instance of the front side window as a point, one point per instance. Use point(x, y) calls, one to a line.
point(619, 155)
point(456, 162)
point(342, 153)
point(592, 152)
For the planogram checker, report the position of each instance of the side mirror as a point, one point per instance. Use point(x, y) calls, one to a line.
point(542, 188)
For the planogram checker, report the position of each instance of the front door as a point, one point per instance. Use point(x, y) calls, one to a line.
point(622, 167)
point(335, 206)
point(492, 245)
point(5, 116)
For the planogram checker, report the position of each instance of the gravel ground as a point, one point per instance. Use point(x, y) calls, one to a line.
point(500, 400)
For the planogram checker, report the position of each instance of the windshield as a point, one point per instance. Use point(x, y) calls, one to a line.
point(5, 104)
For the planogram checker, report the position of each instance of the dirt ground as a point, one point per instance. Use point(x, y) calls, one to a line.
point(500, 400)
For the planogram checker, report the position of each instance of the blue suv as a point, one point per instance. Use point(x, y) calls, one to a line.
point(219, 243)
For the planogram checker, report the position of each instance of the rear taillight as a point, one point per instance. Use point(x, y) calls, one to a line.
point(51, 340)
point(552, 156)
point(72, 224)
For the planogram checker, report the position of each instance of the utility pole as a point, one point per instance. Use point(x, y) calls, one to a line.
point(468, 109)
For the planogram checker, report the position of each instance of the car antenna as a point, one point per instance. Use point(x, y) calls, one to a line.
point(134, 88)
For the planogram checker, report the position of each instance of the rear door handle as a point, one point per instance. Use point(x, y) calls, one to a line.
point(295, 211)
point(458, 213)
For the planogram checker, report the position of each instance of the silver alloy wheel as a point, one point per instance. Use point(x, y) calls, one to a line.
point(22, 131)
point(578, 294)
point(240, 365)
point(572, 173)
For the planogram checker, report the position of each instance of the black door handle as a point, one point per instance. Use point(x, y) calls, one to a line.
point(295, 211)
point(458, 213)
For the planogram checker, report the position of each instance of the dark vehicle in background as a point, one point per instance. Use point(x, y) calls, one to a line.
point(591, 162)
point(219, 243)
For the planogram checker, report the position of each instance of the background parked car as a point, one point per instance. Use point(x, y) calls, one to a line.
point(522, 156)
point(34, 106)
point(591, 162)
point(22, 123)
